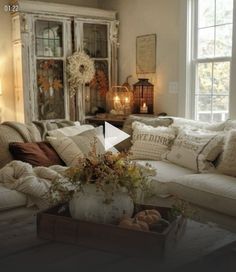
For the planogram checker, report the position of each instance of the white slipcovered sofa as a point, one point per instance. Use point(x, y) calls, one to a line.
point(213, 195)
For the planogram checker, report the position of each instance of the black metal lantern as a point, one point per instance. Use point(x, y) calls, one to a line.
point(143, 96)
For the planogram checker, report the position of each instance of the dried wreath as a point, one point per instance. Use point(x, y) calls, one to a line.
point(80, 69)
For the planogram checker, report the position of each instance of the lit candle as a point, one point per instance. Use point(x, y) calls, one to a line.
point(116, 98)
point(117, 103)
point(144, 108)
point(126, 100)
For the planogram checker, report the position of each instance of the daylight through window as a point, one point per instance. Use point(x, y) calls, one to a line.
point(212, 59)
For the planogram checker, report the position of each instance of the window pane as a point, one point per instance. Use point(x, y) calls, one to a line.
point(50, 89)
point(206, 13)
point(204, 78)
point(220, 103)
point(223, 43)
point(49, 38)
point(95, 40)
point(206, 42)
point(203, 103)
point(99, 86)
point(221, 78)
point(203, 108)
point(224, 11)
point(220, 108)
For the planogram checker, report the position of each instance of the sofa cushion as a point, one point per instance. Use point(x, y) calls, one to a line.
point(28, 132)
point(47, 125)
point(86, 139)
point(183, 122)
point(15, 132)
point(150, 121)
point(227, 162)
point(11, 199)
point(165, 172)
point(213, 191)
point(36, 154)
point(67, 149)
point(69, 131)
point(50, 152)
point(7, 135)
point(196, 149)
point(150, 142)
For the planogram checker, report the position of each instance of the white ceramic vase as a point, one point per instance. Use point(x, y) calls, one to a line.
point(89, 205)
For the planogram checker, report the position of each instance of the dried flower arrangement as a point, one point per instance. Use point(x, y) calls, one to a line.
point(109, 172)
point(100, 82)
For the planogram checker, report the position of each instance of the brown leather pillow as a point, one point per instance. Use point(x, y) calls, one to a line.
point(37, 154)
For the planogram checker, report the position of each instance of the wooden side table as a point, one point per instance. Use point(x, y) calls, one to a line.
point(97, 121)
point(115, 120)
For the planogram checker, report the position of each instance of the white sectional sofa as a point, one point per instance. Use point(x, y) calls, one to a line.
point(213, 195)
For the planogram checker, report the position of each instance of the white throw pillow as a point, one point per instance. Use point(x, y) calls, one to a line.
point(227, 164)
point(86, 139)
point(150, 142)
point(196, 149)
point(67, 149)
point(179, 122)
point(69, 131)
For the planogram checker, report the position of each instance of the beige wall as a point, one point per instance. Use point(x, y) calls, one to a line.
point(6, 65)
point(139, 17)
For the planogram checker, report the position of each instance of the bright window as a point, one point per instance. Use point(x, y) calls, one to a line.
point(211, 58)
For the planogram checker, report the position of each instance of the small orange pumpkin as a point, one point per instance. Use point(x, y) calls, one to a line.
point(149, 216)
point(134, 224)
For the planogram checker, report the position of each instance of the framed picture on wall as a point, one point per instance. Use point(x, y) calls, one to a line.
point(146, 54)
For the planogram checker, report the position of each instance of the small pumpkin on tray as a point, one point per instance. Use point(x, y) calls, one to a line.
point(149, 216)
point(134, 224)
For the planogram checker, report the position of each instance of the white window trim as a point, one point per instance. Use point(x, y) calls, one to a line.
point(187, 73)
point(232, 100)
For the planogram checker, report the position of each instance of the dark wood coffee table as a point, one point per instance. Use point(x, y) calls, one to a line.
point(21, 249)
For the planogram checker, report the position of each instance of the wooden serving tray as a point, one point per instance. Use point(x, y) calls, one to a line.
point(56, 224)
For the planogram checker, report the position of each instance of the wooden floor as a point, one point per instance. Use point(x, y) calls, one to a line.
point(21, 250)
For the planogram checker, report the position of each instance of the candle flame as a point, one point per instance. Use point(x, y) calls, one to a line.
point(116, 98)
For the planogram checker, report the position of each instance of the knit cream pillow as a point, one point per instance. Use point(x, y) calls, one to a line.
point(150, 142)
point(196, 149)
point(227, 163)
